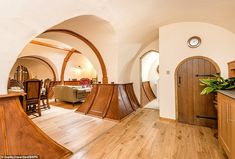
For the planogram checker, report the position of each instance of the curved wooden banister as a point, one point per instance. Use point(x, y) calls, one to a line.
point(113, 101)
point(147, 93)
point(20, 136)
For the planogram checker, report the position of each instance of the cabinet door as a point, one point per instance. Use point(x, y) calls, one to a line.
point(232, 127)
point(224, 127)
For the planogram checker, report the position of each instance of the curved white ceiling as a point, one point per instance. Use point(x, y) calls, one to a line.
point(133, 20)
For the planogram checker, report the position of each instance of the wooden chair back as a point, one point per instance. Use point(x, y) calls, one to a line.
point(33, 89)
point(47, 84)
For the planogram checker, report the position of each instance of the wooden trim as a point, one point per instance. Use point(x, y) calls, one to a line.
point(92, 46)
point(52, 46)
point(40, 59)
point(146, 53)
point(141, 80)
point(167, 119)
point(11, 94)
point(66, 59)
point(231, 62)
point(92, 98)
point(231, 69)
point(106, 108)
point(175, 74)
point(199, 57)
point(147, 92)
point(3, 128)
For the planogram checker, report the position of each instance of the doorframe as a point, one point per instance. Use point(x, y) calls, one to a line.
point(176, 72)
point(43, 61)
point(90, 45)
point(141, 57)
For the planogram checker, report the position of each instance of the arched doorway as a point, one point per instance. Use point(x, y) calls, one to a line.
point(43, 61)
point(87, 48)
point(191, 107)
point(149, 76)
point(88, 43)
point(29, 67)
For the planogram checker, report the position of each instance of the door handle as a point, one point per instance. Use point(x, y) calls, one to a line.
point(179, 81)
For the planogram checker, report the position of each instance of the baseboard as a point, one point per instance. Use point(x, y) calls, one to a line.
point(167, 119)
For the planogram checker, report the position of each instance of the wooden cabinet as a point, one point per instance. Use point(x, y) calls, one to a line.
point(232, 127)
point(224, 127)
point(226, 121)
point(231, 69)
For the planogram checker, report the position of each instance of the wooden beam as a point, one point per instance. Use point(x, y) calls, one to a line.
point(92, 46)
point(66, 59)
point(53, 46)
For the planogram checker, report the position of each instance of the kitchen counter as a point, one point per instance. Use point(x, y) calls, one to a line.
point(229, 93)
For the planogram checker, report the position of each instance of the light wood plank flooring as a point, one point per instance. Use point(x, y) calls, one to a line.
point(70, 129)
point(141, 135)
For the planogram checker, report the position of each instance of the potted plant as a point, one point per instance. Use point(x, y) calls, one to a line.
point(217, 83)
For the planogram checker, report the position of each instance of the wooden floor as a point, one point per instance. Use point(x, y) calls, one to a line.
point(70, 129)
point(141, 135)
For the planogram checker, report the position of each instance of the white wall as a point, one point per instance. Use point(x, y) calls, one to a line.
point(100, 33)
point(149, 69)
point(36, 68)
point(77, 44)
point(54, 57)
point(217, 44)
point(87, 70)
point(134, 26)
point(134, 75)
point(153, 77)
point(149, 61)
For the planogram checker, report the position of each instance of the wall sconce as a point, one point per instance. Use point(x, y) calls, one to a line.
point(78, 69)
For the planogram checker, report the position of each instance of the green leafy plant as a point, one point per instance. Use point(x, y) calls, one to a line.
point(217, 83)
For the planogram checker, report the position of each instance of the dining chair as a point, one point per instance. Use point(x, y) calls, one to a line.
point(33, 94)
point(45, 93)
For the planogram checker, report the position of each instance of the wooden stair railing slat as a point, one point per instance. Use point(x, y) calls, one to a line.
point(101, 100)
point(132, 97)
point(147, 93)
point(90, 99)
point(108, 105)
point(127, 107)
point(113, 101)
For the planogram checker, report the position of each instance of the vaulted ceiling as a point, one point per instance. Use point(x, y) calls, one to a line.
point(133, 20)
point(131, 24)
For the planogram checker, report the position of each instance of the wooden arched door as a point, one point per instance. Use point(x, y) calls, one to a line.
point(194, 108)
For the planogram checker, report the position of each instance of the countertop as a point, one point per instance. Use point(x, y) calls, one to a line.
point(12, 94)
point(229, 93)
